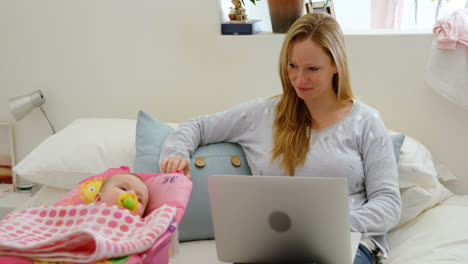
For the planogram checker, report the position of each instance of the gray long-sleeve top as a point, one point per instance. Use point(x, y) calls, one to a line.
point(357, 148)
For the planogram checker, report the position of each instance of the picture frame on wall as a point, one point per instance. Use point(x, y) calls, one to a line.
point(7, 157)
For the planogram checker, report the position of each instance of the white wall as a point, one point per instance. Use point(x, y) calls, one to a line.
point(111, 58)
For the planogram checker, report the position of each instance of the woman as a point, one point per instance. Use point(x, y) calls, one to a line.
point(315, 127)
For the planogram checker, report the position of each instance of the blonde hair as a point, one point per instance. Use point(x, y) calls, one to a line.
point(291, 127)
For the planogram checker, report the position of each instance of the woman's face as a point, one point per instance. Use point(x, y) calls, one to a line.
point(310, 70)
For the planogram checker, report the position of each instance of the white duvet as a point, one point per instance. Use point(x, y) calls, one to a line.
point(438, 235)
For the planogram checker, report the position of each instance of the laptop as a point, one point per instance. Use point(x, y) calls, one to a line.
point(271, 219)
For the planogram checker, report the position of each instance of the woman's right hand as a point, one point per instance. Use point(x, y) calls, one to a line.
point(176, 163)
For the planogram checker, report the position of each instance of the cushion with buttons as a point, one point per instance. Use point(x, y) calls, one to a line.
point(219, 158)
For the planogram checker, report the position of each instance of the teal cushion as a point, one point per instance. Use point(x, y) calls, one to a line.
point(150, 135)
point(196, 223)
point(397, 141)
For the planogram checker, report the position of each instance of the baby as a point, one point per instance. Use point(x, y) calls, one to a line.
point(126, 190)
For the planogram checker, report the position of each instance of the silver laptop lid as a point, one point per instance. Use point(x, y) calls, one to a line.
point(259, 219)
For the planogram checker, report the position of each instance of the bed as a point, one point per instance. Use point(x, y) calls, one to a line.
point(432, 228)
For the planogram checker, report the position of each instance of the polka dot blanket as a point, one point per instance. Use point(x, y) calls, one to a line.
point(83, 233)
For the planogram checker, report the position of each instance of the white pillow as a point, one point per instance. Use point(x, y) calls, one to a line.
point(418, 180)
point(84, 148)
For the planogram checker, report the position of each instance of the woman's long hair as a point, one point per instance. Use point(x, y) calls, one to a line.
point(291, 127)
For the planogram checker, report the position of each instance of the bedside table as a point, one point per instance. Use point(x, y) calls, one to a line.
point(12, 201)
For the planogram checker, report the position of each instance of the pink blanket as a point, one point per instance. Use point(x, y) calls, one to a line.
point(81, 233)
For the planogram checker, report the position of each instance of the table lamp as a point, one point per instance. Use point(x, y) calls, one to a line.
point(20, 106)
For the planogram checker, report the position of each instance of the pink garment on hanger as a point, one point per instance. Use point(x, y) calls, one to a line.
point(447, 69)
point(452, 30)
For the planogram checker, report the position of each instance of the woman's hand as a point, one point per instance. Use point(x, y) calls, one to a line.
point(176, 163)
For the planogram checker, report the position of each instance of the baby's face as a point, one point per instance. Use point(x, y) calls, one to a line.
point(124, 183)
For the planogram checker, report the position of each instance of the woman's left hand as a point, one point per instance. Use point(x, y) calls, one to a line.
point(176, 163)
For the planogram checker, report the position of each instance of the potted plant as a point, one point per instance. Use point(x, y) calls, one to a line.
point(283, 13)
point(253, 1)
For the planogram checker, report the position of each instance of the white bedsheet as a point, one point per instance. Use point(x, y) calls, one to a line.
point(47, 195)
point(202, 251)
point(439, 235)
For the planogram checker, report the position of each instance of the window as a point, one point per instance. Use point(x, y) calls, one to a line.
point(369, 15)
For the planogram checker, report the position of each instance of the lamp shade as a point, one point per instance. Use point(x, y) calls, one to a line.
point(22, 105)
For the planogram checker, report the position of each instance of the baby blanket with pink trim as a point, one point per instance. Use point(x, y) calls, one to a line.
point(82, 233)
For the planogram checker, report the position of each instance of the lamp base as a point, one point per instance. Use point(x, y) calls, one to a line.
point(25, 187)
